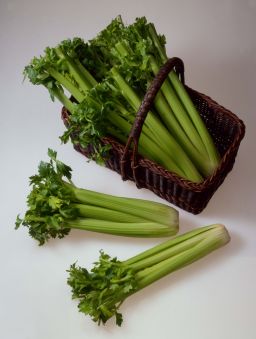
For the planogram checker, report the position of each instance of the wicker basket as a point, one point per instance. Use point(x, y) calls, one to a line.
point(225, 128)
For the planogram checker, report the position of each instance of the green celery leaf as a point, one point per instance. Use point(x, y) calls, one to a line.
point(101, 291)
point(49, 202)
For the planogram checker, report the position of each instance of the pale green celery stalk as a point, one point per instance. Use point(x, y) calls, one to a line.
point(134, 100)
point(83, 83)
point(60, 95)
point(130, 118)
point(147, 147)
point(112, 131)
point(198, 122)
point(170, 119)
point(123, 49)
point(173, 122)
point(146, 229)
point(148, 210)
point(179, 111)
point(153, 149)
point(87, 75)
point(166, 114)
point(101, 213)
point(187, 102)
point(162, 135)
point(169, 244)
point(213, 238)
point(165, 254)
point(73, 90)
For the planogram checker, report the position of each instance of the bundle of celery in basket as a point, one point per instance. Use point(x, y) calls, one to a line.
point(108, 77)
point(55, 206)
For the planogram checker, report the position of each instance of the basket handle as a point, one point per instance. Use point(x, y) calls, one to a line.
point(145, 106)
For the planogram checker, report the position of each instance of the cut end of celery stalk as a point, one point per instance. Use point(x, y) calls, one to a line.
point(221, 230)
point(174, 219)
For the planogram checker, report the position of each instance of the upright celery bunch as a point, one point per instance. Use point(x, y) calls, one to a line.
point(138, 52)
point(128, 56)
point(103, 109)
point(102, 290)
point(55, 206)
point(108, 77)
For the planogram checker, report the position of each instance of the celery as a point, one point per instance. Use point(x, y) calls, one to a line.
point(100, 109)
point(160, 133)
point(108, 77)
point(187, 102)
point(102, 291)
point(55, 206)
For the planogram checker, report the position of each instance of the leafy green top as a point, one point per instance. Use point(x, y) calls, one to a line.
point(98, 58)
point(52, 69)
point(102, 290)
point(49, 201)
point(127, 47)
point(38, 71)
point(91, 120)
point(60, 69)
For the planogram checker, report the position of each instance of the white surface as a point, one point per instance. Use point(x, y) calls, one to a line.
point(213, 298)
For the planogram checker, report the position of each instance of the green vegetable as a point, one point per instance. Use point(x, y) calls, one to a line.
point(103, 108)
point(108, 77)
point(187, 102)
point(102, 290)
point(55, 206)
point(139, 53)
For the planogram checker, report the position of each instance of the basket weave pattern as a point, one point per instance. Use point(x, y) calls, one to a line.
point(226, 129)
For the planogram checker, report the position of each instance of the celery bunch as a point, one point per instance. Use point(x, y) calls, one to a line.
point(55, 206)
point(137, 53)
point(102, 290)
point(108, 77)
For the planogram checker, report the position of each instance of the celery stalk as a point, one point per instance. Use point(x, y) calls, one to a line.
point(102, 291)
point(188, 104)
point(197, 121)
point(179, 111)
point(184, 254)
point(148, 210)
point(160, 132)
point(128, 229)
point(56, 206)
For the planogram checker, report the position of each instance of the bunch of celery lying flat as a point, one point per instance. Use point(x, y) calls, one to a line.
point(102, 290)
point(108, 77)
point(55, 206)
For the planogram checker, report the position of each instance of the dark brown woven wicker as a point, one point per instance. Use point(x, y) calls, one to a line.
point(226, 129)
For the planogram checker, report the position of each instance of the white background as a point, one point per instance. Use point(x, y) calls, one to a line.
point(213, 298)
